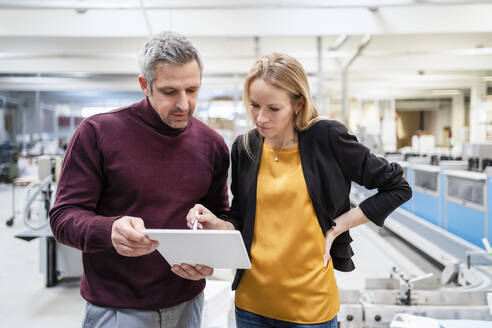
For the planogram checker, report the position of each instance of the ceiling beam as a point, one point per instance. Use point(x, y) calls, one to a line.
point(223, 4)
point(247, 22)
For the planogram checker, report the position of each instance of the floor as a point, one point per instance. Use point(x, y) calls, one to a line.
point(26, 302)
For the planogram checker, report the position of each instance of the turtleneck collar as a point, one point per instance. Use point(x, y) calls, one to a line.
point(150, 116)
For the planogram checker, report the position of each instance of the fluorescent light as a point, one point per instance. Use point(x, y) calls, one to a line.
point(487, 78)
point(446, 92)
point(89, 111)
point(472, 51)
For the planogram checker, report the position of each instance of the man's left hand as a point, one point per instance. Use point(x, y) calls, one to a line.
point(191, 272)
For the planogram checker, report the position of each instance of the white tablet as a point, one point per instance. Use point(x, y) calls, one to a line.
point(214, 248)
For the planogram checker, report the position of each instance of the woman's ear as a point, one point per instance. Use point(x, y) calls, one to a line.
point(299, 104)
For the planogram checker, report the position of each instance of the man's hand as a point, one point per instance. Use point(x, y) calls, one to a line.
point(196, 272)
point(128, 239)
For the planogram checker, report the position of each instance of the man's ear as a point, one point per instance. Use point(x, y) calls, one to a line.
point(143, 85)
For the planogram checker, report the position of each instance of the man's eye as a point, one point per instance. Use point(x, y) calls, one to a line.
point(191, 90)
point(168, 93)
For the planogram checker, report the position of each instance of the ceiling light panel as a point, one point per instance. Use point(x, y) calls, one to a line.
point(219, 4)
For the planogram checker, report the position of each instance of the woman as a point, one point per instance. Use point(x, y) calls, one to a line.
point(291, 180)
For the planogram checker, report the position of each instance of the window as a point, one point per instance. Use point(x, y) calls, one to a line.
point(426, 180)
point(466, 189)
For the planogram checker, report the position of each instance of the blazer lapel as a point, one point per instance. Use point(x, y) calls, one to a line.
point(256, 148)
point(311, 175)
point(256, 144)
point(305, 151)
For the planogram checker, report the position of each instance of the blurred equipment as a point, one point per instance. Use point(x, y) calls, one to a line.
point(18, 182)
point(448, 220)
point(404, 320)
point(423, 143)
point(218, 302)
point(57, 262)
point(479, 155)
point(39, 190)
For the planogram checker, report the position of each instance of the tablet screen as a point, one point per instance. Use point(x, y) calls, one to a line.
point(213, 248)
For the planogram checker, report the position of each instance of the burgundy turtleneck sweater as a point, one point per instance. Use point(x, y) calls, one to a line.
point(129, 162)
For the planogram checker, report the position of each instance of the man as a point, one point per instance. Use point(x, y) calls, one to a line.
point(142, 166)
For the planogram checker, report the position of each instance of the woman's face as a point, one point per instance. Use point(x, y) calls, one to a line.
point(272, 111)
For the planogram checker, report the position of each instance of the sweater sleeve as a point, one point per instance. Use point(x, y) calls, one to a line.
point(361, 166)
point(73, 218)
point(217, 199)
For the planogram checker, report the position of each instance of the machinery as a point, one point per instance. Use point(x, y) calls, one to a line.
point(452, 199)
point(57, 262)
point(448, 220)
point(479, 155)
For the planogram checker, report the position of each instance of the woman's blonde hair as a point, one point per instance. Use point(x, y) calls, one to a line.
point(287, 73)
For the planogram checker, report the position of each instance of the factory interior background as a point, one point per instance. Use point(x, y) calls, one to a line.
point(412, 79)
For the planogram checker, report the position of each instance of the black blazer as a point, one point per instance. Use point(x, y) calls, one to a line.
point(331, 159)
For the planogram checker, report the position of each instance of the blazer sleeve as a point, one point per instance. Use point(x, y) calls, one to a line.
point(361, 166)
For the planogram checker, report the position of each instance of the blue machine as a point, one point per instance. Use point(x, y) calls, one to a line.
point(466, 205)
point(408, 175)
point(488, 222)
point(427, 191)
point(454, 200)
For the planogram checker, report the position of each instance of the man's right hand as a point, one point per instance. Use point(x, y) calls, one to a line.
point(128, 239)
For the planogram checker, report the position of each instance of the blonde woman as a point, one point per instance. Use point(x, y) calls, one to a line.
point(291, 180)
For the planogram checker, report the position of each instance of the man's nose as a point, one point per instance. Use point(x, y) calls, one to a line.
point(182, 102)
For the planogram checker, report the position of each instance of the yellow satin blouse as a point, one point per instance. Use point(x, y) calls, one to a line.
point(288, 280)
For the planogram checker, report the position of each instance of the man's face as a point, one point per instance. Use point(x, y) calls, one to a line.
point(174, 92)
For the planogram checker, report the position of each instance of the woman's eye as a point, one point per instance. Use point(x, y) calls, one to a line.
point(274, 109)
point(255, 106)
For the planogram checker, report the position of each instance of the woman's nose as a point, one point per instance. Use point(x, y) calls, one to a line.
point(261, 117)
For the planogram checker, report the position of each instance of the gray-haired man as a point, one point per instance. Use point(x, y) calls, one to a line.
point(142, 166)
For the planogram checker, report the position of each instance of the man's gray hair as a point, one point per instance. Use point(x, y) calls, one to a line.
point(168, 47)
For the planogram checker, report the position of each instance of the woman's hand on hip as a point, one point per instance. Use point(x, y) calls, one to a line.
point(329, 238)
